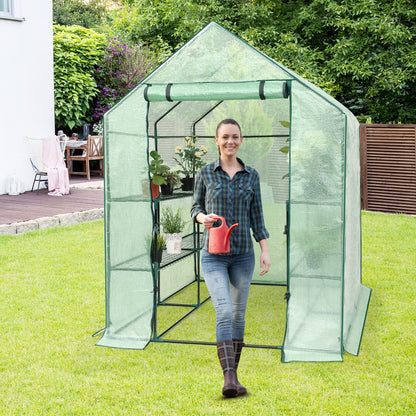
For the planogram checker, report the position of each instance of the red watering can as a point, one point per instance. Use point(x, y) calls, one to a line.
point(219, 237)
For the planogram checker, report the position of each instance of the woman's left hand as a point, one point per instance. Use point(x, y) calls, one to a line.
point(264, 257)
point(264, 263)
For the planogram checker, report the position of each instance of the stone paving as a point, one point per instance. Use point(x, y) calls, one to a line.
point(58, 220)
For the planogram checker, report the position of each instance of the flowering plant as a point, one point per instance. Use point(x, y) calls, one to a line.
point(98, 128)
point(190, 156)
point(121, 69)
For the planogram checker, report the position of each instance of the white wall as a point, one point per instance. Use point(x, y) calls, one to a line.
point(26, 87)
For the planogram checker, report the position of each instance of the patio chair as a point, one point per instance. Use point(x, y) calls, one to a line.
point(35, 149)
point(93, 150)
point(40, 175)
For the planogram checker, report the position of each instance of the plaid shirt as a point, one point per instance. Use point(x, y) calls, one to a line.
point(238, 200)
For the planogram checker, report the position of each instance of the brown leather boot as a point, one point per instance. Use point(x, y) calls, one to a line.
point(238, 345)
point(226, 356)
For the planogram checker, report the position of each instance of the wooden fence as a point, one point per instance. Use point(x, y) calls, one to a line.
point(388, 167)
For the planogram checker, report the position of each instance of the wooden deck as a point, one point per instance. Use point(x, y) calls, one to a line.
point(30, 206)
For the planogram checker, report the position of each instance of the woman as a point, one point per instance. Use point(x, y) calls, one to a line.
point(230, 189)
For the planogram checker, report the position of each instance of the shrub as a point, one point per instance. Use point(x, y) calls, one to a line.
point(77, 52)
point(120, 70)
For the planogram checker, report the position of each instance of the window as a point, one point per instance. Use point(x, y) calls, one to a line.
point(6, 8)
point(7, 11)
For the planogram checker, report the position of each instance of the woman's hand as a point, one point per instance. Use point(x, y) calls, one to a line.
point(264, 263)
point(207, 220)
point(264, 258)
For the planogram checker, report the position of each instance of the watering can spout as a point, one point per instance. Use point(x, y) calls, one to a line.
point(227, 236)
point(219, 237)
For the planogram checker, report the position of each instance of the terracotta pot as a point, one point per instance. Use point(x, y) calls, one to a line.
point(155, 190)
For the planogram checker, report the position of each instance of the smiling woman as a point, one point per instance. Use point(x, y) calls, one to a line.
point(229, 189)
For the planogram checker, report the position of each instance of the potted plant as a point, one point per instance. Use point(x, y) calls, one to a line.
point(190, 159)
point(172, 180)
point(157, 168)
point(173, 225)
point(156, 245)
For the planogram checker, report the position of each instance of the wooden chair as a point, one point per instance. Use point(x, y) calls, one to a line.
point(93, 150)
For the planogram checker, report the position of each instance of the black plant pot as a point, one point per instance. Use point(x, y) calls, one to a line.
point(187, 184)
point(166, 189)
point(158, 256)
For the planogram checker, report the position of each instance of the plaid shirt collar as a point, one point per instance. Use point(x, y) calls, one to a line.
point(217, 165)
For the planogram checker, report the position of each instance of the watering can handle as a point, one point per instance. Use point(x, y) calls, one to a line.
point(217, 217)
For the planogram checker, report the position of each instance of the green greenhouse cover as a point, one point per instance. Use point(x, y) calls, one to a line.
point(305, 146)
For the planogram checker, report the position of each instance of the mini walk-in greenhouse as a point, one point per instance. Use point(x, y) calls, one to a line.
point(305, 146)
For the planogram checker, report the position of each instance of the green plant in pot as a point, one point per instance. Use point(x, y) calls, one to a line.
point(173, 225)
point(156, 245)
point(190, 160)
point(172, 181)
point(157, 168)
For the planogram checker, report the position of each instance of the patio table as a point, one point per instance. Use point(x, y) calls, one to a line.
point(71, 146)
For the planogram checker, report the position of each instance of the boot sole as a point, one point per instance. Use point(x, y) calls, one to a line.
point(230, 392)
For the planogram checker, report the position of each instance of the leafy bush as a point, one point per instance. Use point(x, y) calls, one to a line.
point(92, 73)
point(120, 70)
point(77, 52)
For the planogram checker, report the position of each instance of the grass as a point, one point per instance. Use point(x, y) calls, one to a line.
point(52, 300)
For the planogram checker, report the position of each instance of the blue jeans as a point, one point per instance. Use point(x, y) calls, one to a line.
point(228, 279)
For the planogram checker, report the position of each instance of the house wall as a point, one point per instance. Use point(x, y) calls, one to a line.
point(26, 87)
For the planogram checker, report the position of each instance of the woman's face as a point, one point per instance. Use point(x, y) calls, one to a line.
point(229, 139)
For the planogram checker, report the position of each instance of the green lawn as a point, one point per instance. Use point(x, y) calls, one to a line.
point(52, 301)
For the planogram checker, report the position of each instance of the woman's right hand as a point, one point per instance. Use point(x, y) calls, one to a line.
point(207, 220)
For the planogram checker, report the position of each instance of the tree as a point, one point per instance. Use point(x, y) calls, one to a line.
point(79, 12)
point(172, 22)
point(363, 52)
point(368, 50)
